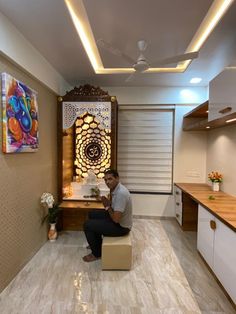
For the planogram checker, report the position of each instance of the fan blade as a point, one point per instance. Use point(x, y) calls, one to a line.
point(130, 78)
point(142, 45)
point(103, 44)
point(176, 59)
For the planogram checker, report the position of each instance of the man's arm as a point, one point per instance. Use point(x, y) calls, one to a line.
point(115, 215)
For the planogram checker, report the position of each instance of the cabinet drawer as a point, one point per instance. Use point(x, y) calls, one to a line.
point(177, 194)
point(178, 213)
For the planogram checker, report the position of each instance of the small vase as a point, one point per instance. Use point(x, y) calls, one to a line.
point(216, 186)
point(52, 233)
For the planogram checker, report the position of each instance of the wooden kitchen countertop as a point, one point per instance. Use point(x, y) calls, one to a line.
point(223, 206)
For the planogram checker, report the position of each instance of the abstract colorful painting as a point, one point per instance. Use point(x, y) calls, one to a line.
point(20, 116)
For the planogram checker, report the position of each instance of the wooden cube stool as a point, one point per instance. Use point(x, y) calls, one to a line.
point(117, 252)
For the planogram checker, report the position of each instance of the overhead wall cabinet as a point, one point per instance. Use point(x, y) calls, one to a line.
point(222, 95)
point(87, 140)
point(220, 110)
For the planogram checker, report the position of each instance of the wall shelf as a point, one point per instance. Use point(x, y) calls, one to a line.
point(197, 119)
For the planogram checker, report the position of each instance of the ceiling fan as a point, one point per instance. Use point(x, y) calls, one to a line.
point(141, 64)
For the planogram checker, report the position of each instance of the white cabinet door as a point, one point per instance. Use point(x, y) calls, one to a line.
point(205, 235)
point(225, 258)
point(178, 204)
point(222, 95)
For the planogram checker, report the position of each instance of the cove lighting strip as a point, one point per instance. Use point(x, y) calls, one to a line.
point(80, 19)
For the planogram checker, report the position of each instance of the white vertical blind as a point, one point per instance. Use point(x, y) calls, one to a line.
point(145, 145)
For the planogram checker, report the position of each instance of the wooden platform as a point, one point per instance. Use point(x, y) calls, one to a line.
point(74, 213)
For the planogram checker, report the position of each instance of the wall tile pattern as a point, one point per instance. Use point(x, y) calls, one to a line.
point(23, 178)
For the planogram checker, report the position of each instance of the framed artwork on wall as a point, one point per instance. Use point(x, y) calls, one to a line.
point(19, 115)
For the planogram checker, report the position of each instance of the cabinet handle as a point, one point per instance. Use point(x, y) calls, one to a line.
point(177, 192)
point(225, 110)
point(177, 204)
point(177, 215)
point(212, 224)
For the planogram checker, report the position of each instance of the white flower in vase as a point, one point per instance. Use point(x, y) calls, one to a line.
point(48, 199)
point(53, 209)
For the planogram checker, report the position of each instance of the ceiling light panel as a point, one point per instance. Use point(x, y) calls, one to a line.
point(80, 19)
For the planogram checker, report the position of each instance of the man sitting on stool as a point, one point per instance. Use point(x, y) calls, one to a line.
point(114, 221)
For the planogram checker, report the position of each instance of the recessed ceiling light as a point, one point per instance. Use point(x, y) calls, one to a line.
point(195, 80)
point(230, 120)
point(208, 127)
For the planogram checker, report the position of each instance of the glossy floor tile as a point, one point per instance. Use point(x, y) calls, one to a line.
point(167, 277)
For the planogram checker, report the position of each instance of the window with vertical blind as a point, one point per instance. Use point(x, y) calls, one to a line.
point(145, 148)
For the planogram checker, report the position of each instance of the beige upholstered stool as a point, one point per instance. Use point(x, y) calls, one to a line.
point(117, 252)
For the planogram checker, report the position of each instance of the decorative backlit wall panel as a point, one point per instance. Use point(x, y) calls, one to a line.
point(92, 146)
point(87, 129)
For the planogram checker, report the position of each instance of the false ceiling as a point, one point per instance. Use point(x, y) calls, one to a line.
point(167, 26)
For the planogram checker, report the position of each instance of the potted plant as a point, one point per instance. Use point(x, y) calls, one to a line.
point(95, 192)
point(47, 200)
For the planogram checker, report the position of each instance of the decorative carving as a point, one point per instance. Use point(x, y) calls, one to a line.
point(72, 110)
point(87, 90)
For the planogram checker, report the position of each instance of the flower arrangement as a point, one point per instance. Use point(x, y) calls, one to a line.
point(215, 176)
point(47, 199)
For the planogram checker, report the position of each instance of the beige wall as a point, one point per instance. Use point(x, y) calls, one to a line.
point(221, 155)
point(23, 178)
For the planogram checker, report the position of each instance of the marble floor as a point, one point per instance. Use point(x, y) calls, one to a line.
point(167, 277)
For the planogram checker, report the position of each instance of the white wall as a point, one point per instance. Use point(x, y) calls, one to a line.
point(159, 95)
point(17, 48)
point(189, 147)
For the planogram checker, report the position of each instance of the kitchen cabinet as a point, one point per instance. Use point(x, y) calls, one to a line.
point(178, 204)
point(216, 243)
point(216, 229)
point(205, 235)
point(225, 258)
point(185, 210)
point(222, 95)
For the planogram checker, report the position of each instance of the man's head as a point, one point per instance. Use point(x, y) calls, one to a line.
point(111, 178)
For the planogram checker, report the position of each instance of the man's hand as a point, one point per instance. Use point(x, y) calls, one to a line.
point(105, 201)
